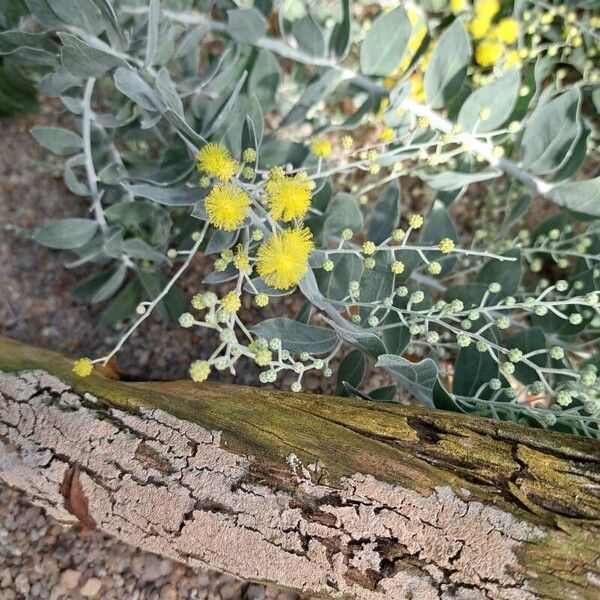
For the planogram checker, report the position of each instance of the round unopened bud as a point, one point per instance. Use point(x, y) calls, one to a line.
point(503, 322)
point(172, 253)
point(562, 285)
point(140, 309)
point(456, 306)
point(186, 319)
point(261, 300)
point(199, 371)
point(398, 235)
point(328, 265)
point(417, 297)
point(537, 387)
point(249, 155)
point(402, 291)
point(397, 267)
point(220, 264)
point(327, 372)
point(198, 302)
point(495, 384)
point(434, 268)
point(296, 386)
point(415, 329)
point(515, 355)
point(415, 221)
point(368, 248)
point(588, 377)
point(575, 318)
point(373, 321)
point(257, 235)
point(433, 337)
point(494, 287)
point(557, 353)
point(369, 263)
point(463, 340)
point(564, 398)
point(347, 234)
point(482, 346)
point(356, 319)
point(507, 368)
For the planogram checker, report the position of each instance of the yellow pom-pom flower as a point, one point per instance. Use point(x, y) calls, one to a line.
point(488, 53)
point(386, 135)
point(320, 148)
point(227, 206)
point(507, 30)
point(479, 26)
point(457, 6)
point(487, 8)
point(231, 302)
point(83, 367)
point(283, 259)
point(289, 197)
point(216, 160)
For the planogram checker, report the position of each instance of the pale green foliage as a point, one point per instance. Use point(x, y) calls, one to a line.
point(497, 316)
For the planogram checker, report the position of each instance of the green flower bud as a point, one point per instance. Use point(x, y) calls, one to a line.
point(186, 319)
point(495, 384)
point(463, 340)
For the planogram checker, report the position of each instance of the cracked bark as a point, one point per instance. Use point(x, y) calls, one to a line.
point(381, 501)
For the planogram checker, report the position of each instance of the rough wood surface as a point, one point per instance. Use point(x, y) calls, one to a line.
point(334, 497)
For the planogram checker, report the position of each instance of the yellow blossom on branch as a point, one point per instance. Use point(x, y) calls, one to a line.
point(83, 367)
point(231, 302)
point(479, 26)
point(289, 197)
point(283, 259)
point(227, 206)
point(507, 30)
point(215, 160)
point(320, 148)
point(488, 53)
point(487, 8)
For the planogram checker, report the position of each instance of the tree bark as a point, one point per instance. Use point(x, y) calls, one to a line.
point(329, 496)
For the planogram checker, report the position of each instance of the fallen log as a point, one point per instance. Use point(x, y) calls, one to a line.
point(334, 497)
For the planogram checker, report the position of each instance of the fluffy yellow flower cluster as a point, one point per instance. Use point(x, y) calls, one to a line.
point(493, 37)
point(215, 160)
point(283, 259)
point(83, 367)
point(288, 197)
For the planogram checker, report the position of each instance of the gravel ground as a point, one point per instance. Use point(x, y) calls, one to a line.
point(40, 559)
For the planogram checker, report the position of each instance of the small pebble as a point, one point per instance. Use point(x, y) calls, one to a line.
point(70, 579)
point(91, 587)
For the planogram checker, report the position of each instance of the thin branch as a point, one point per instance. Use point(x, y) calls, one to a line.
point(87, 148)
